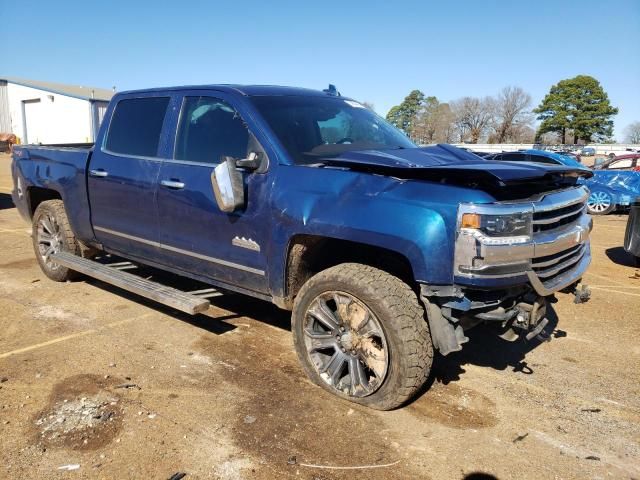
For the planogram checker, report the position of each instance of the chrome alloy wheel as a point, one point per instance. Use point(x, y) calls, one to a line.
point(599, 202)
point(49, 238)
point(346, 344)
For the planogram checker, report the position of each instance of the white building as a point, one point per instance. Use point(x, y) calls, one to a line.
point(45, 112)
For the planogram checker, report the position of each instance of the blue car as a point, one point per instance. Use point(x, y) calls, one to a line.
point(610, 190)
point(537, 156)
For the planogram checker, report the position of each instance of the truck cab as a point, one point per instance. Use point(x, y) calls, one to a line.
point(382, 250)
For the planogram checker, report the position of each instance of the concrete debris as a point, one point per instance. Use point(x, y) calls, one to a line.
point(75, 416)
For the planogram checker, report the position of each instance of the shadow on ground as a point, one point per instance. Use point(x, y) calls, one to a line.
point(5, 201)
point(486, 349)
point(619, 256)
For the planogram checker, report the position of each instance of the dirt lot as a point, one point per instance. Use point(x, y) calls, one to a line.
point(96, 378)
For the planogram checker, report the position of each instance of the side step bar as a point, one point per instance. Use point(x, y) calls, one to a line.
point(172, 297)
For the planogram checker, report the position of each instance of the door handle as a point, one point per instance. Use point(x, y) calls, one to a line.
point(176, 185)
point(98, 173)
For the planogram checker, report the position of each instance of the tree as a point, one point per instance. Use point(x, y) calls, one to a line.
point(578, 103)
point(511, 111)
point(445, 128)
point(632, 133)
point(425, 124)
point(473, 116)
point(404, 115)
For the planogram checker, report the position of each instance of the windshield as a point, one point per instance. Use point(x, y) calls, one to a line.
point(312, 128)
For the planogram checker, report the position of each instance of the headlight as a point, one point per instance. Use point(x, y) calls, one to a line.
point(509, 225)
point(494, 240)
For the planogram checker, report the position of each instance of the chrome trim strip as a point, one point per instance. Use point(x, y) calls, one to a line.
point(181, 251)
point(562, 199)
point(547, 221)
point(550, 272)
point(561, 281)
point(548, 263)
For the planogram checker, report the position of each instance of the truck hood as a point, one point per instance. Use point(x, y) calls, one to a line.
point(451, 164)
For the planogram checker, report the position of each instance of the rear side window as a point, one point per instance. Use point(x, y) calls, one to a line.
point(541, 159)
point(514, 157)
point(623, 163)
point(210, 129)
point(136, 125)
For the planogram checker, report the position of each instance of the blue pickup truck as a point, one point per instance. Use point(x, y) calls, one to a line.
point(383, 251)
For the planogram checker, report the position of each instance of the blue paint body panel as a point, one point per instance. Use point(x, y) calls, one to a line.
point(623, 186)
point(128, 212)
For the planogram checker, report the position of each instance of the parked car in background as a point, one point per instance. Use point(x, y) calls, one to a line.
point(632, 234)
point(573, 155)
point(610, 152)
point(610, 190)
point(621, 162)
point(588, 151)
point(538, 156)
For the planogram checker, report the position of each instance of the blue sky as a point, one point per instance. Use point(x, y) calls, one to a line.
point(372, 50)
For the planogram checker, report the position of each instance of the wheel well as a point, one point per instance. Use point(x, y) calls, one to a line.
point(309, 254)
point(37, 195)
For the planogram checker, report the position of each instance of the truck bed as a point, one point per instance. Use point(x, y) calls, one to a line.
point(61, 168)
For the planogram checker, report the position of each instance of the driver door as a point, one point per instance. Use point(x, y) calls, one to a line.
point(195, 235)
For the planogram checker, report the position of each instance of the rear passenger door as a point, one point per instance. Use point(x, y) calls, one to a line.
point(123, 177)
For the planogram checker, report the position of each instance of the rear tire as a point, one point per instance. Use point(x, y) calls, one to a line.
point(356, 318)
point(51, 232)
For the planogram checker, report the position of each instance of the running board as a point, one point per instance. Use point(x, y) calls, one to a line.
point(183, 301)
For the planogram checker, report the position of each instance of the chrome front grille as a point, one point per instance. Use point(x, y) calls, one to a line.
point(552, 265)
point(554, 255)
point(550, 219)
point(564, 225)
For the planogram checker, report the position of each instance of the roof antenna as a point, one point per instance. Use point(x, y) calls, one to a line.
point(332, 90)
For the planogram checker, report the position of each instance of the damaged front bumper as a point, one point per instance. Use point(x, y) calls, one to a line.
point(519, 311)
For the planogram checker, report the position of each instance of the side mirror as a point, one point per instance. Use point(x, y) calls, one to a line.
point(252, 162)
point(228, 186)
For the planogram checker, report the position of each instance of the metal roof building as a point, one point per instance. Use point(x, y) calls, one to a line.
point(47, 112)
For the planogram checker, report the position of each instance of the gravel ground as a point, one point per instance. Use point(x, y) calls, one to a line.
point(97, 383)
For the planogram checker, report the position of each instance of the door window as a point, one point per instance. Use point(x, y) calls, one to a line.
point(136, 125)
point(514, 157)
point(542, 159)
point(210, 129)
point(623, 163)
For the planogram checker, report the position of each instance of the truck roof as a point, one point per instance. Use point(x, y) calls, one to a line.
point(247, 90)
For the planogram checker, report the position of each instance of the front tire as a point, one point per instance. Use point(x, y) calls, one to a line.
point(600, 203)
point(361, 334)
point(51, 233)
